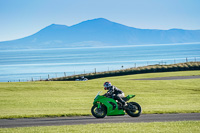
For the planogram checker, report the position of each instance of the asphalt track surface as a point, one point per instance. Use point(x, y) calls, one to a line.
point(28, 122)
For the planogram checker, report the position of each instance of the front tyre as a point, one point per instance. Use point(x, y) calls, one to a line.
point(98, 112)
point(134, 109)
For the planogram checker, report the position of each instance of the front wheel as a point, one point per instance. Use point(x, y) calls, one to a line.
point(98, 112)
point(134, 109)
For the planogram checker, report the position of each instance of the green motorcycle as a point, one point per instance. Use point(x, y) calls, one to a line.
point(104, 105)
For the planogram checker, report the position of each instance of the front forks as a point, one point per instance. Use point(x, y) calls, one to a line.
point(98, 105)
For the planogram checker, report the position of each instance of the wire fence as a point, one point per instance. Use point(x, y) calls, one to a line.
point(54, 75)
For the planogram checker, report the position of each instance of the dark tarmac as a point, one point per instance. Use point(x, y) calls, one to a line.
point(28, 122)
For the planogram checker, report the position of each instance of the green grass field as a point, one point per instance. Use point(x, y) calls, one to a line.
point(68, 98)
point(154, 127)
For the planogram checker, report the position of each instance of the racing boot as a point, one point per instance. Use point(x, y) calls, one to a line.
point(125, 106)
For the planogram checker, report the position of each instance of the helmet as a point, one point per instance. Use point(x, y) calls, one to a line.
point(107, 85)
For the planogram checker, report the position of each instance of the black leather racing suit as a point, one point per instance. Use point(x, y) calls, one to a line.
point(116, 93)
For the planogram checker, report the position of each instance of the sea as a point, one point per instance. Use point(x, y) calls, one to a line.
point(39, 64)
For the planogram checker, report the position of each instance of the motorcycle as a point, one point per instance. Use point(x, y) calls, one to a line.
point(104, 105)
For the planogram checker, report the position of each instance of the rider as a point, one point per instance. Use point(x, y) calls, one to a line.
point(114, 92)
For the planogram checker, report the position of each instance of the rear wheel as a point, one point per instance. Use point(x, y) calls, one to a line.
point(134, 109)
point(98, 112)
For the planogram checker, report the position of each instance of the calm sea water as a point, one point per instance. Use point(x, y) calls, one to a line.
point(35, 64)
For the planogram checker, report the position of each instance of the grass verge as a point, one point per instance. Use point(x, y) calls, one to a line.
point(154, 127)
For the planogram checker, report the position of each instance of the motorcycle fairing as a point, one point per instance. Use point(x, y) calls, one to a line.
point(108, 102)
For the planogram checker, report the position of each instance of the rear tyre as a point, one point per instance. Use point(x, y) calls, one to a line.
point(134, 109)
point(98, 112)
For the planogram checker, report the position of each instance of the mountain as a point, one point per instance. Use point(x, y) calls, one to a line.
point(99, 32)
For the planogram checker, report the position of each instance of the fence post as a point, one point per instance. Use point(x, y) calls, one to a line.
point(65, 74)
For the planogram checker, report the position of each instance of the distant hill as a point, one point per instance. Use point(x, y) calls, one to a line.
point(99, 32)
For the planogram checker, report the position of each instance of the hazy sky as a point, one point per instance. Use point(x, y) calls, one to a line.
point(20, 18)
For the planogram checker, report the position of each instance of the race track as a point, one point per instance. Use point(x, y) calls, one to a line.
point(27, 122)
